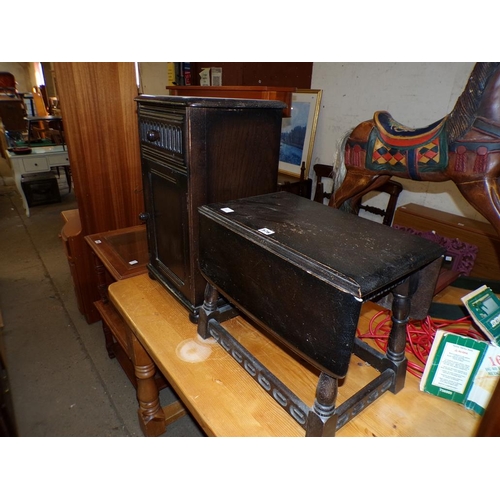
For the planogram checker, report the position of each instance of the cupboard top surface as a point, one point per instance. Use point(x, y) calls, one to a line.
point(209, 102)
point(124, 251)
point(356, 255)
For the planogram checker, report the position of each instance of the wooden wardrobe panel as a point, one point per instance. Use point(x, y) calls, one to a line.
point(100, 121)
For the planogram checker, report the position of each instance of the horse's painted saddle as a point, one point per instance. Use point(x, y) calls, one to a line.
point(393, 146)
point(396, 134)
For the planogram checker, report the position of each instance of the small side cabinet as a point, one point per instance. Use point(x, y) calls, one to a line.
point(197, 150)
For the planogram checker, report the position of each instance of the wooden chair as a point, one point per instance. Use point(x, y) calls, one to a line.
point(392, 188)
point(322, 171)
point(41, 129)
point(301, 187)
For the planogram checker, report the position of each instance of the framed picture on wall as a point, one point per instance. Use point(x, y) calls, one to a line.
point(298, 132)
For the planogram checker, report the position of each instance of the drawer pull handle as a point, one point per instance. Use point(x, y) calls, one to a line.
point(153, 135)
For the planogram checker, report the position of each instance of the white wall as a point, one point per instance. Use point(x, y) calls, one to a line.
point(153, 78)
point(416, 94)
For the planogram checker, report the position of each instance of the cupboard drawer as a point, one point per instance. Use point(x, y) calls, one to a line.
point(59, 159)
point(35, 164)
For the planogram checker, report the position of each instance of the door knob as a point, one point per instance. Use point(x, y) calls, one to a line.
point(153, 135)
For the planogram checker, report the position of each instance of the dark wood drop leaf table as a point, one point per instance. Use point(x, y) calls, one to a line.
point(301, 271)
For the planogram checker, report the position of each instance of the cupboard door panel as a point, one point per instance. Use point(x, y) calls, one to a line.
point(169, 193)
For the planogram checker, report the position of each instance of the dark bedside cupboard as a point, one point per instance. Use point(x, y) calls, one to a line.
point(195, 151)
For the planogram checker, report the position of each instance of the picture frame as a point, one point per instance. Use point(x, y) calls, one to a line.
point(298, 132)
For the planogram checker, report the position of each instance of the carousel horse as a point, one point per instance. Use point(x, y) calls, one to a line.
point(463, 147)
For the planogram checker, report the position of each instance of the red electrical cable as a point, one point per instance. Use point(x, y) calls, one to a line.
point(419, 336)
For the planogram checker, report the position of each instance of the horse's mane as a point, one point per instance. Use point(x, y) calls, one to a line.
point(461, 118)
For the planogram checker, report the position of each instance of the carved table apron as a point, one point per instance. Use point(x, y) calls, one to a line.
point(302, 270)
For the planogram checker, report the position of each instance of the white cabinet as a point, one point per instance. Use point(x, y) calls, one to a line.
point(32, 164)
point(57, 159)
point(41, 159)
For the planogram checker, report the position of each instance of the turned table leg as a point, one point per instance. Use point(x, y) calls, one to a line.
point(322, 420)
point(206, 311)
point(151, 415)
point(102, 287)
point(396, 345)
point(108, 340)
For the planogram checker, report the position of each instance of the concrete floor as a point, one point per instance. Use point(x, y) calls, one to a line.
point(62, 381)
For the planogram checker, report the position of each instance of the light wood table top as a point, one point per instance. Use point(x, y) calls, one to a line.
point(226, 401)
